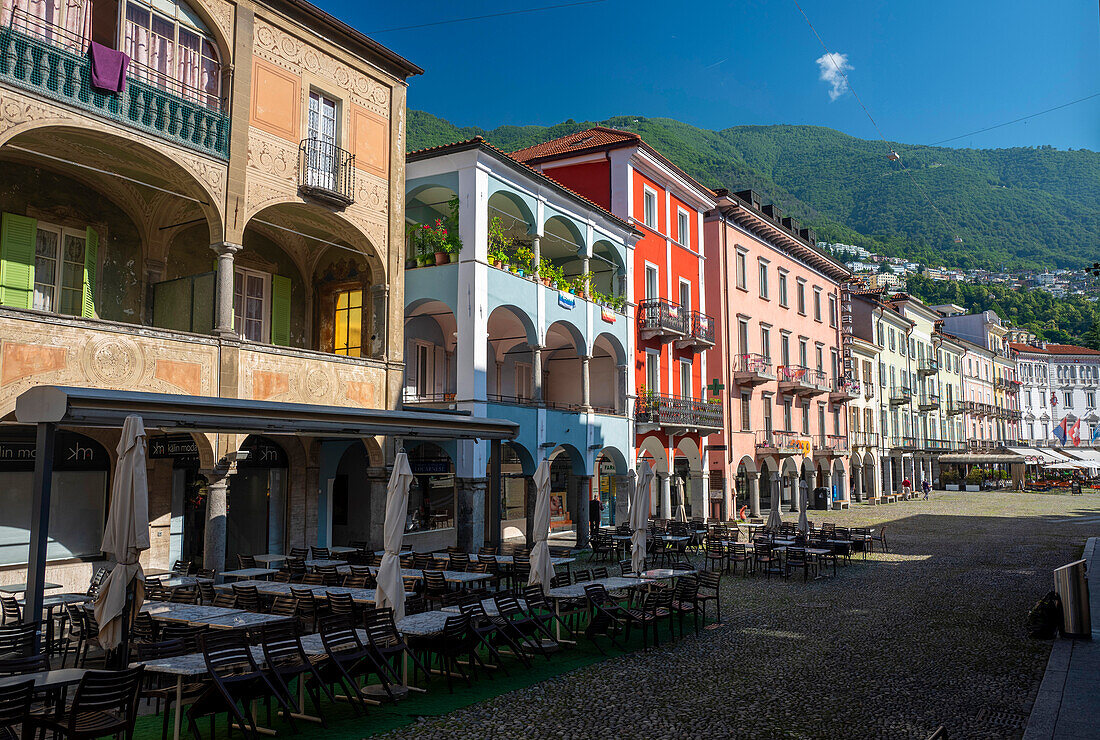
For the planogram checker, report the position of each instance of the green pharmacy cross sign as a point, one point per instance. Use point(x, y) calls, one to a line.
point(715, 387)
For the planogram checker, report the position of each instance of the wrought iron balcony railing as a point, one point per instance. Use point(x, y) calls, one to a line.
point(753, 369)
point(677, 411)
point(864, 439)
point(802, 380)
point(326, 172)
point(928, 367)
point(40, 58)
point(702, 330)
point(831, 444)
point(660, 317)
point(929, 402)
point(900, 396)
point(782, 442)
point(844, 389)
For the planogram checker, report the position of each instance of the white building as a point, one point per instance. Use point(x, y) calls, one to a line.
point(1059, 381)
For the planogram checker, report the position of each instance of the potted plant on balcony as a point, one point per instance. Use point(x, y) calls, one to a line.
point(498, 243)
point(523, 257)
point(582, 284)
point(548, 272)
point(646, 404)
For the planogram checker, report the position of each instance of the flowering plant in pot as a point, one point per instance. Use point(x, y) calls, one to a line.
point(548, 272)
point(582, 284)
point(523, 257)
point(499, 242)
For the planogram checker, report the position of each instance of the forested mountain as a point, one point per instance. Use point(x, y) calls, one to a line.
point(1021, 207)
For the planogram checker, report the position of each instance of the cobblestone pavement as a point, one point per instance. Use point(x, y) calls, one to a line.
point(931, 633)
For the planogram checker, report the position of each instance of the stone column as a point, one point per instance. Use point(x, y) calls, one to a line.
point(857, 478)
point(792, 483)
point(470, 517)
point(827, 482)
point(664, 501)
point(583, 493)
point(223, 307)
point(703, 496)
point(536, 251)
point(620, 390)
point(888, 479)
point(586, 385)
point(379, 329)
point(536, 370)
point(213, 545)
point(754, 493)
point(531, 491)
point(621, 513)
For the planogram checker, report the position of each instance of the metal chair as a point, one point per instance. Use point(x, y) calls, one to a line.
point(285, 660)
point(105, 704)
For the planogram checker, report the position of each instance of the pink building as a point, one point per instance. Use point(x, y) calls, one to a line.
point(778, 355)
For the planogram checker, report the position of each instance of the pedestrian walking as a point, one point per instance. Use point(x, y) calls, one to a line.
point(927, 488)
point(906, 487)
point(595, 507)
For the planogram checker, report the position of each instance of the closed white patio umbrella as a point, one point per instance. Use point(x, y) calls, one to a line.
point(681, 513)
point(126, 534)
point(639, 516)
point(774, 517)
point(542, 569)
point(391, 588)
point(803, 504)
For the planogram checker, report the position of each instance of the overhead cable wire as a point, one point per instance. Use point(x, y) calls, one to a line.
point(1017, 120)
point(829, 56)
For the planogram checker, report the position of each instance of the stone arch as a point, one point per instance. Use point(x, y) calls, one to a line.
point(578, 463)
point(314, 225)
point(570, 330)
point(526, 459)
point(42, 141)
point(688, 449)
point(749, 463)
point(616, 456)
point(565, 230)
point(656, 451)
point(515, 213)
point(612, 343)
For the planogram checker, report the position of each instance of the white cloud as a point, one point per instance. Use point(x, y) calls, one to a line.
point(833, 66)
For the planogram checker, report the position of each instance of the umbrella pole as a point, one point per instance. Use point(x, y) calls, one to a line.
point(40, 522)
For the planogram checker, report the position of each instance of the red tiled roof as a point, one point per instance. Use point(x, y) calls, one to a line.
point(479, 141)
point(1053, 349)
point(593, 138)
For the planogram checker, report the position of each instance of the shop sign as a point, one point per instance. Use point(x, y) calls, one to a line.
point(174, 447)
point(430, 467)
point(262, 453)
point(71, 452)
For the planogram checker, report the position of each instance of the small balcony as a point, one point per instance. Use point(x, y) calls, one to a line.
point(440, 399)
point(665, 319)
point(869, 391)
point(753, 369)
point(843, 390)
point(675, 413)
point(1007, 385)
point(702, 331)
point(927, 367)
point(981, 445)
point(326, 173)
point(900, 396)
point(864, 439)
point(802, 381)
point(49, 61)
point(781, 442)
point(939, 445)
point(830, 445)
point(905, 442)
point(928, 402)
point(1010, 414)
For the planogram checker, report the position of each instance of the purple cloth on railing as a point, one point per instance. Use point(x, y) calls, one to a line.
point(108, 68)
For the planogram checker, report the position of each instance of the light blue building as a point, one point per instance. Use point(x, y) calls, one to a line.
point(501, 343)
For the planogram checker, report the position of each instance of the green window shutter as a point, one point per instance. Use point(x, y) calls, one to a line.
point(91, 255)
point(280, 310)
point(17, 234)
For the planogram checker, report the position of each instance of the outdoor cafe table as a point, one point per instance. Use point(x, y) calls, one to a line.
point(18, 588)
point(751, 527)
point(663, 573)
point(342, 550)
point(59, 678)
point(576, 591)
point(249, 574)
point(323, 562)
point(269, 558)
point(244, 620)
point(167, 611)
point(489, 605)
point(458, 577)
point(50, 603)
point(272, 588)
point(502, 559)
point(183, 582)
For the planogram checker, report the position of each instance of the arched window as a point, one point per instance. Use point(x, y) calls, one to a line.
point(170, 47)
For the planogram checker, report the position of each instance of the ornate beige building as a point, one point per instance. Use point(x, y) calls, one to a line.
point(229, 224)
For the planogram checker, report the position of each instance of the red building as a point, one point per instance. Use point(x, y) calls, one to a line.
point(673, 416)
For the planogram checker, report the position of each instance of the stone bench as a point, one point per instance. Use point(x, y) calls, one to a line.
point(842, 504)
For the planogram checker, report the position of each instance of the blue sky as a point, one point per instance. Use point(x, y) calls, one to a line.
point(926, 70)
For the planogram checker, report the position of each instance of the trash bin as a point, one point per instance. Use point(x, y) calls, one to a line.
point(1072, 586)
point(821, 498)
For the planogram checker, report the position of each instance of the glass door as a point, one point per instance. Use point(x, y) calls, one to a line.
point(322, 160)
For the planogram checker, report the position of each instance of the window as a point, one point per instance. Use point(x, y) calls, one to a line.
point(784, 348)
point(768, 423)
point(425, 370)
point(763, 279)
point(805, 417)
point(523, 381)
point(817, 304)
point(251, 296)
point(1067, 399)
point(746, 420)
point(742, 271)
point(685, 294)
point(683, 228)
point(783, 288)
point(766, 343)
point(819, 357)
point(649, 207)
point(788, 424)
point(322, 160)
point(685, 379)
point(821, 419)
point(349, 323)
point(1090, 399)
point(59, 269)
point(881, 338)
point(832, 310)
point(803, 356)
point(800, 294)
point(653, 371)
point(171, 49)
point(742, 336)
point(893, 340)
point(651, 287)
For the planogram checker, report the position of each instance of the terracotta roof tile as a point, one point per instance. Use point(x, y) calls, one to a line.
point(1053, 349)
point(598, 136)
point(479, 141)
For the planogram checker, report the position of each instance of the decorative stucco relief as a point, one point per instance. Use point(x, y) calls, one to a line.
point(281, 48)
point(222, 13)
point(272, 156)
